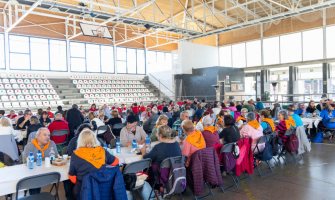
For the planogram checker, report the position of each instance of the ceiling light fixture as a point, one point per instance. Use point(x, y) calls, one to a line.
point(13, 2)
point(54, 9)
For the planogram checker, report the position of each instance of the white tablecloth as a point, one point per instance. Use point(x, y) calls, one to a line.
point(11, 175)
point(310, 121)
point(20, 134)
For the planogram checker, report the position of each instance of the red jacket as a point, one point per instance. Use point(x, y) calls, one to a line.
point(180, 103)
point(58, 125)
point(160, 107)
point(135, 110)
point(148, 106)
point(247, 163)
point(93, 110)
point(142, 109)
point(51, 115)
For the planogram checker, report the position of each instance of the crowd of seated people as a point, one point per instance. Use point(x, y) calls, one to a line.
point(200, 124)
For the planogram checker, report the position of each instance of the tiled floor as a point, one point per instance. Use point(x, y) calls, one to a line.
point(312, 178)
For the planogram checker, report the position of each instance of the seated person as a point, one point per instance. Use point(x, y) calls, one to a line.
point(41, 142)
point(73, 143)
point(247, 106)
point(193, 142)
point(51, 115)
point(60, 110)
point(165, 149)
point(295, 117)
point(177, 124)
point(210, 133)
point(129, 112)
point(198, 113)
point(232, 106)
point(199, 125)
point(259, 104)
point(95, 122)
point(253, 130)
point(326, 114)
point(319, 106)
point(12, 114)
point(88, 157)
point(35, 125)
point(102, 116)
point(24, 122)
point(6, 127)
point(266, 122)
point(162, 121)
point(311, 107)
point(44, 118)
point(58, 124)
point(285, 123)
point(114, 120)
point(20, 114)
point(166, 112)
point(2, 113)
point(132, 132)
point(176, 113)
point(147, 125)
point(242, 119)
point(146, 114)
point(230, 132)
point(301, 109)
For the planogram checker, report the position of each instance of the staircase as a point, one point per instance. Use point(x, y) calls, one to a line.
point(153, 89)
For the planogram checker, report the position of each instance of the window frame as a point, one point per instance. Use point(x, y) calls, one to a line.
point(49, 68)
point(136, 59)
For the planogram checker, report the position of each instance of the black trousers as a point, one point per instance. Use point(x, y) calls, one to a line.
point(68, 185)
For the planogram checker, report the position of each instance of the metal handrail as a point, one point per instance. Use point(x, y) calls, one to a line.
point(160, 83)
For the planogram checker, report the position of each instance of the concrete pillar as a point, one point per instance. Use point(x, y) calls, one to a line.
point(258, 84)
point(327, 78)
point(293, 83)
point(265, 83)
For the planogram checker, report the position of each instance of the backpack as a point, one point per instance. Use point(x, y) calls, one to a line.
point(267, 152)
point(236, 151)
point(130, 181)
point(318, 138)
point(229, 161)
point(176, 182)
point(293, 143)
point(108, 135)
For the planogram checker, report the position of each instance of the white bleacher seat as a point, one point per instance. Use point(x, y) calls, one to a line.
point(36, 97)
point(86, 96)
point(91, 95)
point(56, 97)
point(12, 80)
point(5, 80)
point(28, 97)
point(80, 81)
point(60, 103)
point(25, 91)
point(92, 90)
point(36, 86)
point(78, 86)
point(86, 77)
point(33, 81)
point(107, 95)
point(46, 91)
point(23, 86)
point(46, 103)
point(53, 92)
point(82, 91)
point(53, 103)
point(90, 101)
point(19, 81)
point(23, 104)
point(102, 95)
point(43, 76)
point(74, 81)
point(32, 91)
point(15, 86)
point(31, 76)
point(98, 90)
point(85, 82)
point(16, 105)
point(3, 92)
point(38, 103)
point(31, 104)
point(17, 75)
point(39, 81)
point(17, 91)
point(10, 92)
point(29, 86)
point(49, 97)
point(39, 91)
point(71, 77)
point(83, 86)
point(96, 101)
point(1, 86)
point(24, 75)
point(103, 91)
point(76, 77)
point(49, 86)
point(8, 86)
point(81, 77)
point(42, 86)
point(7, 105)
point(3, 75)
point(37, 76)
point(10, 75)
point(4, 98)
point(91, 77)
point(20, 97)
point(43, 97)
point(97, 95)
point(90, 81)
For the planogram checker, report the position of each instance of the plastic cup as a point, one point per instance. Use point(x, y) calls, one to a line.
point(47, 161)
point(65, 157)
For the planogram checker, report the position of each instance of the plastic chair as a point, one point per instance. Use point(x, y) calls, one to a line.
point(135, 167)
point(281, 155)
point(118, 126)
point(139, 123)
point(60, 133)
point(102, 128)
point(39, 181)
point(264, 139)
point(229, 148)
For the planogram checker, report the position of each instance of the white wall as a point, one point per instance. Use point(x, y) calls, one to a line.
point(165, 78)
point(192, 55)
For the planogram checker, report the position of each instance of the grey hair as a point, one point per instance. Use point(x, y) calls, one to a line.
point(154, 110)
point(39, 130)
point(12, 111)
point(284, 113)
point(207, 121)
point(165, 131)
point(300, 103)
point(58, 116)
point(26, 112)
point(20, 112)
point(251, 116)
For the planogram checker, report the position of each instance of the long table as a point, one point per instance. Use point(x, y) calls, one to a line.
point(10, 176)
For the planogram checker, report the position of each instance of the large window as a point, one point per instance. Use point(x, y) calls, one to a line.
point(290, 48)
point(91, 58)
point(312, 42)
point(330, 32)
point(271, 50)
point(159, 61)
point(238, 55)
point(254, 53)
point(2, 52)
point(130, 61)
point(225, 56)
point(30, 53)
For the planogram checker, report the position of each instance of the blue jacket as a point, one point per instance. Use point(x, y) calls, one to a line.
point(105, 183)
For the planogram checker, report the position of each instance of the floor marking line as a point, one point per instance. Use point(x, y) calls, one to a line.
point(247, 191)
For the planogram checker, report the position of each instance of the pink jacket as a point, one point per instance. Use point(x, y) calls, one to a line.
point(232, 109)
point(188, 150)
point(255, 134)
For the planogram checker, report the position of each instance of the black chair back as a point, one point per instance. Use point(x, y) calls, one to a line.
point(139, 123)
point(60, 133)
point(6, 159)
point(38, 181)
point(102, 128)
point(228, 147)
point(119, 126)
point(137, 166)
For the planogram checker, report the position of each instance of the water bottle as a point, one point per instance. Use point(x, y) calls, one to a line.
point(179, 132)
point(118, 147)
point(52, 155)
point(134, 144)
point(38, 158)
point(105, 146)
point(31, 160)
point(148, 143)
